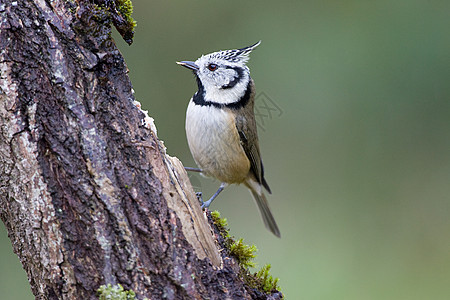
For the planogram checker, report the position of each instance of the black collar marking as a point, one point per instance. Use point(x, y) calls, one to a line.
point(199, 98)
point(232, 83)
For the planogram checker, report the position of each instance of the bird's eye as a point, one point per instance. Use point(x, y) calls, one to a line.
point(212, 67)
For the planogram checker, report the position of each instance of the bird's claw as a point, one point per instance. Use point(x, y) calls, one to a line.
point(204, 204)
point(199, 197)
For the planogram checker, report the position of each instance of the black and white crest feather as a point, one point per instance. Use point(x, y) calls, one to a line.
point(235, 55)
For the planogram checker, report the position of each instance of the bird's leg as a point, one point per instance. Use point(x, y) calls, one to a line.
point(193, 169)
point(208, 203)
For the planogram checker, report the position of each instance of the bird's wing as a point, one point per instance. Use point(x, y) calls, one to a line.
point(246, 127)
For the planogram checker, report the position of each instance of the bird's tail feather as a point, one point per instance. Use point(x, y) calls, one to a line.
point(266, 214)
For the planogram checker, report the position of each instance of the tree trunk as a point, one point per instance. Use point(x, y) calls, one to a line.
point(87, 192)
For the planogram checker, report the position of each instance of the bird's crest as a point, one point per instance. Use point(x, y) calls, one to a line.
point(235, 55)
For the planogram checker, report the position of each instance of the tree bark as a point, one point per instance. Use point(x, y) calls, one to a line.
point(87, 192)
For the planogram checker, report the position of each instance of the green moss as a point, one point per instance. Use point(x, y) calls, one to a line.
point(243, 253)
point(262, 280)
point(125, 7)
point(120, 17)
point(265, 281)
point(101, 15)
point(221, 223)
point(114, 292)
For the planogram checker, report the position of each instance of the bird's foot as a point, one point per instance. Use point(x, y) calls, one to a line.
point(206, 204)
point(199, 197)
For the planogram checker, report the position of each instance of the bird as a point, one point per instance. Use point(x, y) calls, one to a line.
point(221, 128)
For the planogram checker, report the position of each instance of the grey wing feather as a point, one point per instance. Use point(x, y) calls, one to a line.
point(249, 142)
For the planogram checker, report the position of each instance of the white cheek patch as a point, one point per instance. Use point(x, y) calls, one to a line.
point(226, 96)
point(217, 78)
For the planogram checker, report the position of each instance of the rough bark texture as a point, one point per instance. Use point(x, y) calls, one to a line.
point(87, 193)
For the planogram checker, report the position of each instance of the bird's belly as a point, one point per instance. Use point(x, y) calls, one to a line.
point(215, 144)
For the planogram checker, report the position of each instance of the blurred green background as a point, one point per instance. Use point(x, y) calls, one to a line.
point(357, 149)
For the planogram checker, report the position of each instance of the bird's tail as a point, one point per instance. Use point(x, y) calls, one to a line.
point(264, 209)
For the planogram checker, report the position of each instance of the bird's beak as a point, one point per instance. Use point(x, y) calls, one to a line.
point(188, 64)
